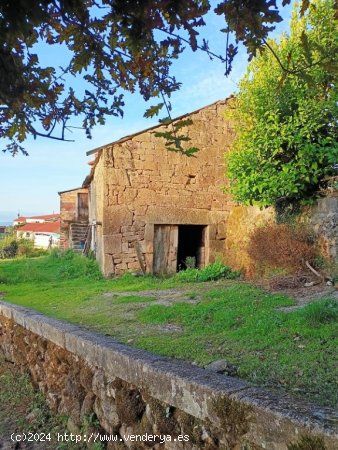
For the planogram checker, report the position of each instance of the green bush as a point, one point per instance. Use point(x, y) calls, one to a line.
point(26, 248)
point(9, 249)
point(12, 247)
point(57, 253)
point(286, 121)
point(210, 272)
point(55, 267)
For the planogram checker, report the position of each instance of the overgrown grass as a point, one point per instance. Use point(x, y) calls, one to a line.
point(24, 410)
point(227, 319)
point(270, 347)
point(56, 266)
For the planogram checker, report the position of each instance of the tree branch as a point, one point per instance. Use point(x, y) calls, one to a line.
point(35, 133)
point(294, 71)
point(177, 36)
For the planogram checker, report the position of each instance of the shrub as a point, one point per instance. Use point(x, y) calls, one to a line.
point(11, 247)
point(26, 248)
point(57, 253)
point(210, 272)
point(281, 246)
point(9, 250)
point(286, 120)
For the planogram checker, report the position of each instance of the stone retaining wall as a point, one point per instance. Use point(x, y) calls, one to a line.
point(135, 393)
point(323, 217)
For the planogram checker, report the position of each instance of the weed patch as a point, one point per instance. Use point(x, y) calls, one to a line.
point(13, 247)
point(321, 312)
point(211, 272)
point(23, 409)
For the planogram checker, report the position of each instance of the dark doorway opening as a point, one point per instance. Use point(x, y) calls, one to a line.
point(82, 206)
point(191, 246)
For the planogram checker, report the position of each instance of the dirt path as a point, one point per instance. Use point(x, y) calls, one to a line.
point(303, 295)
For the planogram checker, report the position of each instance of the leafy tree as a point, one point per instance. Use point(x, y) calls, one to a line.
point(115, 46)
point(285, 114)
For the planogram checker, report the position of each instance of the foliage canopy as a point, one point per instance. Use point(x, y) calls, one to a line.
point(114, 46)
point(285, 114)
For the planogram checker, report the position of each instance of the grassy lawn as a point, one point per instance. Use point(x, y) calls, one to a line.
point(200, 322)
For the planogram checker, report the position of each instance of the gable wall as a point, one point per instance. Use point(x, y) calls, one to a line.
point(144, 184)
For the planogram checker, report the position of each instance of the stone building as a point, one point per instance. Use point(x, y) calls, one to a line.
point(144, 208)
point(150, 208)
point(74, 218)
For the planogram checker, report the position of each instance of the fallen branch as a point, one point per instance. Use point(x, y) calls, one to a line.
point(314, 270)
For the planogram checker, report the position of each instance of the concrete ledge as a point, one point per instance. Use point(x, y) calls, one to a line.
point(274, 420)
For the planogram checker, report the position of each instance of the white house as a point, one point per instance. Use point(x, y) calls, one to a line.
point(45, 235)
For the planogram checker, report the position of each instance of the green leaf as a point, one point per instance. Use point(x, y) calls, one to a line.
point(153, 110)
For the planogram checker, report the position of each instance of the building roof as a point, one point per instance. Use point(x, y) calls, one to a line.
point(70, 190)
point(47, 227)
point(45, 217)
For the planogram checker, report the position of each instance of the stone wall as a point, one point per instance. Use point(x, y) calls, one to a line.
point(68, 213)
point(241, 223)
point(323, 218)
point(96, 205)
point(136, 395)
point(146, 185)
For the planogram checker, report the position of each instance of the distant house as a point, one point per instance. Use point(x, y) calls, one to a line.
point(44, 235)
point(36, 219)
point(19, 221)
point(74, 218)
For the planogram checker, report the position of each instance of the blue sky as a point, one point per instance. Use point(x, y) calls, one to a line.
point(30, 185)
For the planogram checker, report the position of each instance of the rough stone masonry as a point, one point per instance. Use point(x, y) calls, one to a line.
point(141, 193)
point(132, 392)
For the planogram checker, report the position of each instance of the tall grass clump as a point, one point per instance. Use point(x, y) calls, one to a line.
point(73, 265)
point(321, 312)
